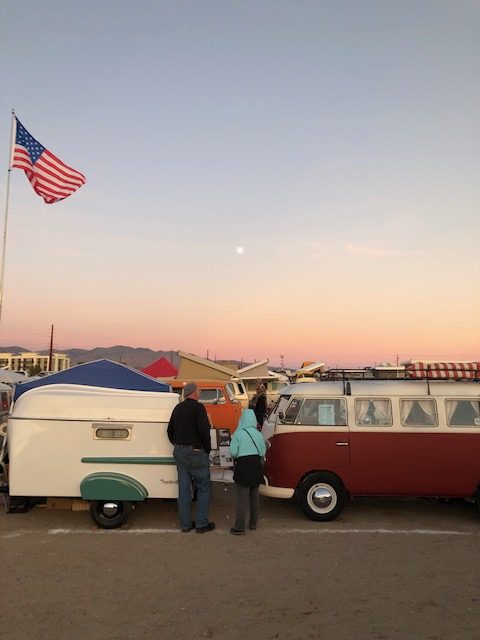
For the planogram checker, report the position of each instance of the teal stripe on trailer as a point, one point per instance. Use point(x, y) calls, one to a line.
point(130, 460)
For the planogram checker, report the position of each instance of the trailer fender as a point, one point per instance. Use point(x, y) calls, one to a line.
point(112, 486)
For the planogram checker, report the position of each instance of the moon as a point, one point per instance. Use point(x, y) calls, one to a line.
point(239, 250)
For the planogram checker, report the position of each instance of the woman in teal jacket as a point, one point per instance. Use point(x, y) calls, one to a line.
point(247, 449)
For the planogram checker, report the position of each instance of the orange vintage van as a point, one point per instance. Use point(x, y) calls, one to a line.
point(222, 406)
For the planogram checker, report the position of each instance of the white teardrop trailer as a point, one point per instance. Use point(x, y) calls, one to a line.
point(106, 446)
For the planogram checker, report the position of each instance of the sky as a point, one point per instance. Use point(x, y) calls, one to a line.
point(337, 143)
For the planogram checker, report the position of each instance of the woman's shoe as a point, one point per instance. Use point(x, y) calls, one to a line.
point(237, 532)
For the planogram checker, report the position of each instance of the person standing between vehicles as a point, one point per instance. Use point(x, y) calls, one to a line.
point(189, 432)
point(247, 449)
point(260, 406)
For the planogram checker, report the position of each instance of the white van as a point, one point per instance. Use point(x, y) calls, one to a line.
point(107, 446)
point(239, 391)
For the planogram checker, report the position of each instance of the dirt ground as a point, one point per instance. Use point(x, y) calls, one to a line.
point(384, 570)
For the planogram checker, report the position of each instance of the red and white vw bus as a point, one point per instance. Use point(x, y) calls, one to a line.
point(333, 440)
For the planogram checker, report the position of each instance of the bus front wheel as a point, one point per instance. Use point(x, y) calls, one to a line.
point(322, 496)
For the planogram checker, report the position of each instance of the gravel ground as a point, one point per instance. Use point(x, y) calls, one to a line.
point(386, 569)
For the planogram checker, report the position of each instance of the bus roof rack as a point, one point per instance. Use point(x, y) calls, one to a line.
point(414, 370)
point(368, 373)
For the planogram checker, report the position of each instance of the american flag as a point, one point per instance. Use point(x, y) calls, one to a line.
point(50, 177)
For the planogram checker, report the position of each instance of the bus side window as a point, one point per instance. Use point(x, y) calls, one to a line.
point(373, 411)
point(418, 413)
point(463, 413)
point(308, 414)
point(329, 412)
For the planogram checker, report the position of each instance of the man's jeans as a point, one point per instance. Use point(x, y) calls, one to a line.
point(192, 465)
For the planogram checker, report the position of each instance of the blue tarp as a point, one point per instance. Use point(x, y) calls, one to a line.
point(99, 373)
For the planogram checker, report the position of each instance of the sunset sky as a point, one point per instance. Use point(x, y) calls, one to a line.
point(337, 143)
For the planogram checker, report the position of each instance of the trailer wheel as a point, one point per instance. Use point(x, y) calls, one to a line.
point(322, 496)
point(109, 514)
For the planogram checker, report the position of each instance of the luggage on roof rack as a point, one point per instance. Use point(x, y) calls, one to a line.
point(444, 370)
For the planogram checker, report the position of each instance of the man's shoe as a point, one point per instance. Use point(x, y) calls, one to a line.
point(252, 528)
point(188, 529)
point(237, 532)
point(209, 527)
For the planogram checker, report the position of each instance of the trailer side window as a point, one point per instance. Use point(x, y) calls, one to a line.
point(418, 413)
point(373, 411)
point(328, 412)
point(119, 432)
point(463, 413)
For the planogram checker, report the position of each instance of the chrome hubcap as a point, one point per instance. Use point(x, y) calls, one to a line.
point(322, 498)
point(110, 509)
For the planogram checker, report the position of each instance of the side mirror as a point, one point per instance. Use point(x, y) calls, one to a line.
point(281, 416)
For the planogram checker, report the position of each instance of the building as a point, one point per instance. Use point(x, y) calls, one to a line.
point(28, 359)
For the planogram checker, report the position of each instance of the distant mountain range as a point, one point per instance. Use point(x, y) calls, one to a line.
point(138, 358)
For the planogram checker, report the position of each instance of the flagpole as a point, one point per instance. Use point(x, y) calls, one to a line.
point(5, 220)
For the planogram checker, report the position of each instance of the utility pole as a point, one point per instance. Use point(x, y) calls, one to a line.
point(50, 355)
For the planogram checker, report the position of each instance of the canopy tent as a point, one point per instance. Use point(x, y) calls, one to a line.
point(443, 370)
point(161, 368)
point(99, 373)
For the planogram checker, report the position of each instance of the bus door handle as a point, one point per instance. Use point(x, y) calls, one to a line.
point(341, 444)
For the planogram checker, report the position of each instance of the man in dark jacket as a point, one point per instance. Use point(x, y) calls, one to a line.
point(260, 403)
point(189, 432)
